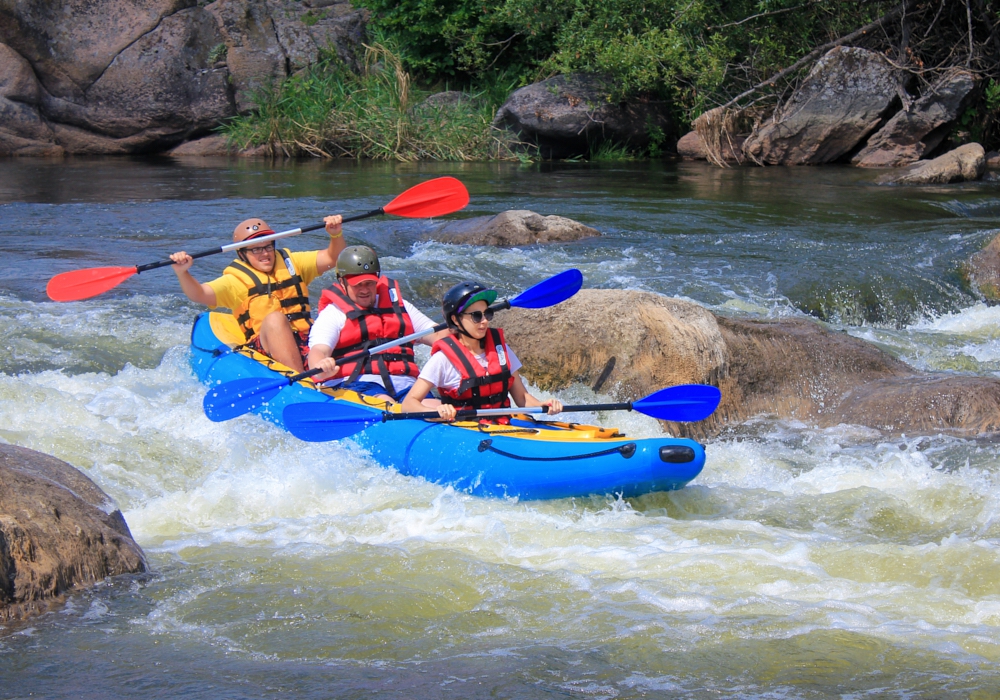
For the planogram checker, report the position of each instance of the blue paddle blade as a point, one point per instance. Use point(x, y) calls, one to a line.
point(551, 291)
point(322, 422)
point(682, 403)
point(240, 396)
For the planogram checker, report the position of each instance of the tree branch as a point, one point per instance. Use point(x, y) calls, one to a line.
point(819, 50)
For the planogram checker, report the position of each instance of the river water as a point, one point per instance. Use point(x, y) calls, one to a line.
point(802, 563)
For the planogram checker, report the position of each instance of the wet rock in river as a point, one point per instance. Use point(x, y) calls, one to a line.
point(843, 99)
point(58, 531)
point(965, 163)
point(515, 227)
point(790, 369)
point(982, 270)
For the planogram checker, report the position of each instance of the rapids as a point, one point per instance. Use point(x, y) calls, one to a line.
point(801, 563)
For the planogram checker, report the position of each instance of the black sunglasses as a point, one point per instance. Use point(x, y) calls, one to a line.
point(261, 249)
point(478, 316)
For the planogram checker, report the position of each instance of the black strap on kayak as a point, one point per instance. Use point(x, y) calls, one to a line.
point(215, 352)
point(626, 451)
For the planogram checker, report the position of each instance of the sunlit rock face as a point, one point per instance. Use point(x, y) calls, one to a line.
point(845, 97)
point(921, 126)
point(962, 164)
point(58, 532)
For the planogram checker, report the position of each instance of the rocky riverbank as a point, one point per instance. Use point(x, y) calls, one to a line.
point(172, 71)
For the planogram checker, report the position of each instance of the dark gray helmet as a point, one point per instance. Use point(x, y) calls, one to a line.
point(357, 260)
point(463, 295)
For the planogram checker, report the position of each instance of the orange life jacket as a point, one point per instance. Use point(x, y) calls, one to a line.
point(366, 328)
point(481, 387)
point(282, 290)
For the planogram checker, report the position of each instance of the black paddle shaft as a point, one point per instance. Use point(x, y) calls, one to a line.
point(464, 415)
point(498, 306)
point(224, 248)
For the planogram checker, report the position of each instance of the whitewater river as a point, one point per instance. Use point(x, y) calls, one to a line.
point(801, 563)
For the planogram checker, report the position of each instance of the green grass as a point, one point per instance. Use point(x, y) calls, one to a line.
point(329, 112)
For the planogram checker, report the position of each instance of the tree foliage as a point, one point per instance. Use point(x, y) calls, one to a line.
point(699, 53)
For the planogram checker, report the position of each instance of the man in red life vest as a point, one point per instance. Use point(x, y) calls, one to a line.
point(471, 366)
point(267, 290)
point(364, 309)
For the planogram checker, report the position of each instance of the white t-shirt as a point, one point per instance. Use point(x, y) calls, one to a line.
point(330, 323)
point(441, 373)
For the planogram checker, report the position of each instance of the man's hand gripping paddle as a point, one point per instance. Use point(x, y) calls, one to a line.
point(321, 422)
point(437, 197)
point(241, 396)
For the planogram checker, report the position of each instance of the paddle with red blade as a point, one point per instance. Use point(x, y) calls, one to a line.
point(437, 197)
point(241, 396)
point(321, 422)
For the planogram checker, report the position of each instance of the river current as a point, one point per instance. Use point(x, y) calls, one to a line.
point(801, 563)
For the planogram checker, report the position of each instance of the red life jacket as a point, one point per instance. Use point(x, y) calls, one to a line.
point(481, 387)
point(366, 328)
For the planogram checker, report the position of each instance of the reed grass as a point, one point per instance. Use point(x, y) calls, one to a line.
point(330, 112)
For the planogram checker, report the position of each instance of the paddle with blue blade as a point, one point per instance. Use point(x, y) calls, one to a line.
point(322, 422)
point(242, 396)
point(436, 197)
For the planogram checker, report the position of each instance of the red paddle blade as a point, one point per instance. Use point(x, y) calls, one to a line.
point(83, 284)
point(436, 197)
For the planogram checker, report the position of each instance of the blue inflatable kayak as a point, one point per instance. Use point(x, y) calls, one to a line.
point(527, 459)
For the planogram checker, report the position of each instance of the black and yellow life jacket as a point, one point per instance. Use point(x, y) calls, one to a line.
point(283, 290)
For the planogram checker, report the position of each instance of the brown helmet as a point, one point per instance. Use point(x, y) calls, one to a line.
point(251, 228)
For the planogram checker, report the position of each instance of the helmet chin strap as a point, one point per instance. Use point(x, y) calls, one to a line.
point(461, 329)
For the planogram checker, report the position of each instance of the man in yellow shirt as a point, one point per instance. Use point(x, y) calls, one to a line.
point(267, 290)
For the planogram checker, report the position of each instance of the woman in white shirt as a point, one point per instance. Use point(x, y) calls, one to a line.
point(472, 367)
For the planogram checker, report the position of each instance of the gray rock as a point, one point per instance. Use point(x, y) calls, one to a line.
point(23, 131)
point(516, 227)
point(845, 97)
point(993, 159)
point(563, 116)
point(918, 129)
point(965, 163)
point(131, 76)
point(58, 532)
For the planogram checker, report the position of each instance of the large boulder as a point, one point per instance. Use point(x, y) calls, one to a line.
point(793, 369)
point(920, 126)
point(515, 227)
point(268, 40)
point(845, 97)
point(962, 164)
point(134, 76)
point(23, 131)
point(565, 116)
point(58, 532)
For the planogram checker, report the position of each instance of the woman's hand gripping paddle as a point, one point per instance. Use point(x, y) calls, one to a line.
point(241, 396)
point(321, 422)
point(437, 197)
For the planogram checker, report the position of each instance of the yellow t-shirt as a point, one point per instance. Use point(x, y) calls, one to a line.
point(231, 293)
